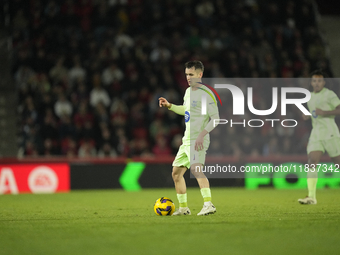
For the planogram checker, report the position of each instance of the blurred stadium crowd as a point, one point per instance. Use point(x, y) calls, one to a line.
point(89, 72)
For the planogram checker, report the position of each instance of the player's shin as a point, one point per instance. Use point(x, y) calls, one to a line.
point(206, 194)
point(312, 179)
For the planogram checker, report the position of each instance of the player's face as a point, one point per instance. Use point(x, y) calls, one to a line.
point(193, 75)
point(318, 82)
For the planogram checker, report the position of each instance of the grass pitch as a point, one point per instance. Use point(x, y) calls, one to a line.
point(264, 221)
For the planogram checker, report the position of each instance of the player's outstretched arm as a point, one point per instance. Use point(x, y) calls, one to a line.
point(163, 102)
point(179, 109)
point(328, 113)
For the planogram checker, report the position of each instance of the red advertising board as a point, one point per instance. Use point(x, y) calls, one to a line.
point(34, 178)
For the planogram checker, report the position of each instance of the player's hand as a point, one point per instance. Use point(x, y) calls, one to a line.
point(305, 117)
point(199, 143)
point(164, 102)
point(319, 112)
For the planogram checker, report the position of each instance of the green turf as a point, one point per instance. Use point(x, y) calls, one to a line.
point(264, 221)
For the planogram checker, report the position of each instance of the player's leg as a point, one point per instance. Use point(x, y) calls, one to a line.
point(180, 165)
point(177, 177)
point(196, 170)
point(312, 177)
point(203, 182)
point(333, 150)
point(181, 190)
point(336, 161)
point(332, 146)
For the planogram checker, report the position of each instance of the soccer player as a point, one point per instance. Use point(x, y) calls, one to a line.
point(323, 105)
point(197, 128)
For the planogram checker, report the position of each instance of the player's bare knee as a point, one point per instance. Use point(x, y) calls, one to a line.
point(176, 174)
point(197, 171)
point(313, 161)
point(314, 158)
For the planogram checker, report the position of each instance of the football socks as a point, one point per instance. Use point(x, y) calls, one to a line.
point(206, 194)
point(312, 179)
point(182, 199)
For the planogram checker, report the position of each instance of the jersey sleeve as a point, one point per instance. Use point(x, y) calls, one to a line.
point(214, 121)
point(213, 114)
point(212, 108)
point(333, 99)
point(179, 109)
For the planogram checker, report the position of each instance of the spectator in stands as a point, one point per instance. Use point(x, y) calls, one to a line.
point(58, 72)
point(50, 148)
point(69, 146)
point(77, 71)
point(66, 127)
point(271, 147)
point(23, 76)
point(111, 74)
point(82, 115)
point(98, 93)
point(63, 106)
point(87, 149)
point(107, 151)
point(161, 148)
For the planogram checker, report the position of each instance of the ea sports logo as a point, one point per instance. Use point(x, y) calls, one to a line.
point(187, 116)
point(43, 180)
